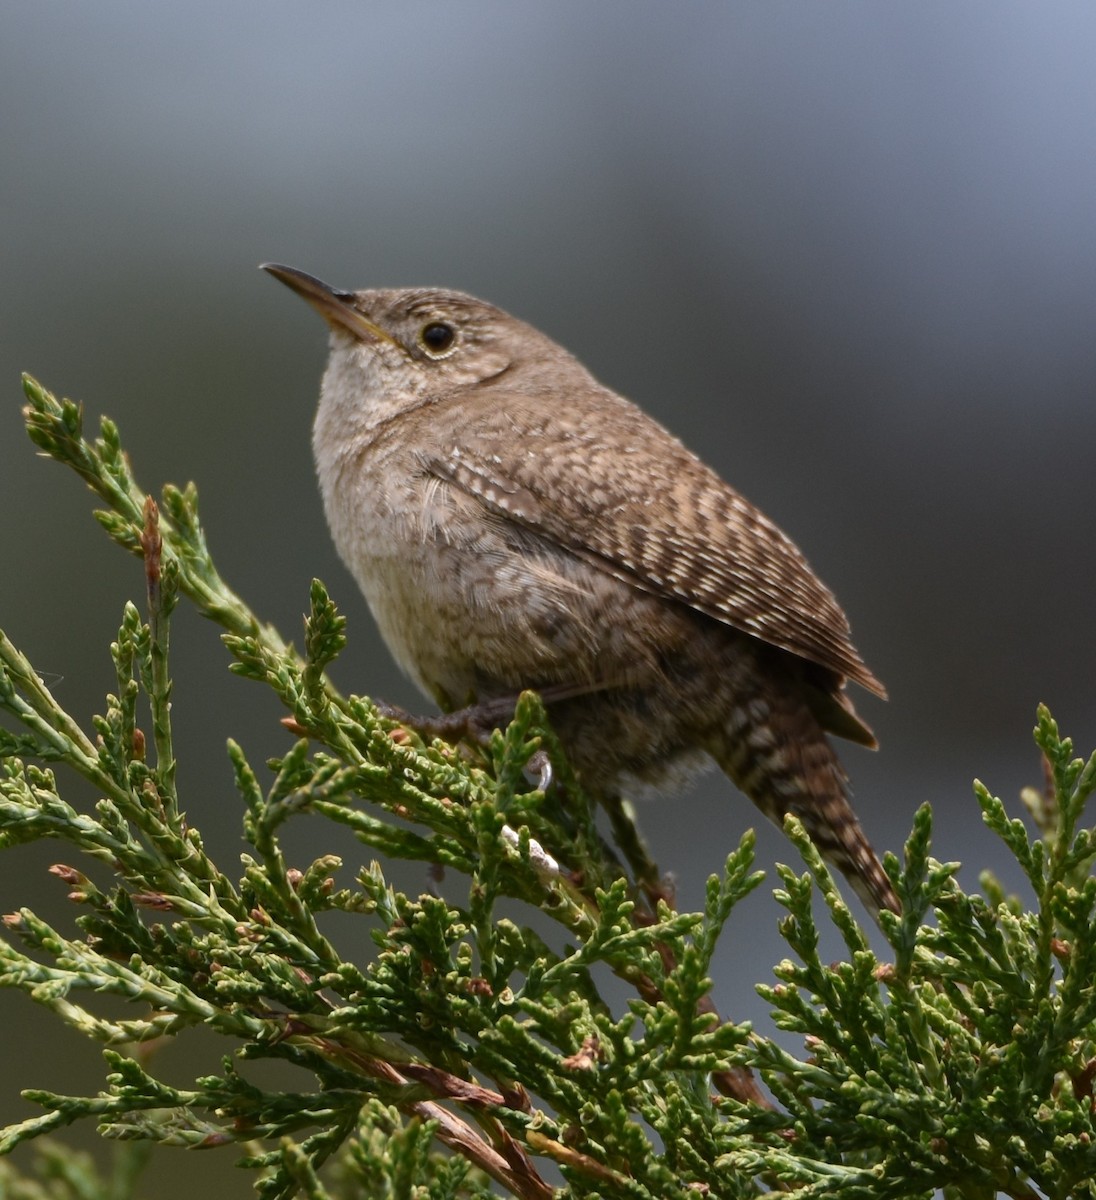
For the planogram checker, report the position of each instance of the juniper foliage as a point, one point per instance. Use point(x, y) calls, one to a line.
point(468, 1057)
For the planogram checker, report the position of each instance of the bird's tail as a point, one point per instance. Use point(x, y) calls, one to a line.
point(774, 750)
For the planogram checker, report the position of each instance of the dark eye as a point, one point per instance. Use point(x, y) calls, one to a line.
point(438, 337)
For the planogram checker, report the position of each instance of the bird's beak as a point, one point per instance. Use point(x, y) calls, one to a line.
point(336, 308)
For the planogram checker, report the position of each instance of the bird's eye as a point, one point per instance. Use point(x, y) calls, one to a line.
point(438, 338)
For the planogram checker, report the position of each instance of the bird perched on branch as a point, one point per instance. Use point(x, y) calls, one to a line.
point(515, 524)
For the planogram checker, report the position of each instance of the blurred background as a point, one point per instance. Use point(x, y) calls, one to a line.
point(847, 251)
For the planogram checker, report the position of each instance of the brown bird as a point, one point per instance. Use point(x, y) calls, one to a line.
point(515, 524)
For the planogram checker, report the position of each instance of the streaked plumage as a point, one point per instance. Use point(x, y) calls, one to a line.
point(514, 524)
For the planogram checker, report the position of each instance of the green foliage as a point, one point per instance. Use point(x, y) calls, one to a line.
point(469, 1053)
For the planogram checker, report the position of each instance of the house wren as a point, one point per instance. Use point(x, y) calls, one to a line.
point(514, 524)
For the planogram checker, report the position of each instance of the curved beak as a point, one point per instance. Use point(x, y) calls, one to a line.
point(336, 307)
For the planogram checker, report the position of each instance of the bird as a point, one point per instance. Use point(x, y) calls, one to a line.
point(515, 524)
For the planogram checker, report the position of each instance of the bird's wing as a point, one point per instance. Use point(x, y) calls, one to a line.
point(617, 489)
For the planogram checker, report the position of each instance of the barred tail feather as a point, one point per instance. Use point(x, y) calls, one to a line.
point(774, 749)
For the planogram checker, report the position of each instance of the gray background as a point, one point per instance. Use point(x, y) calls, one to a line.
point(847, 251)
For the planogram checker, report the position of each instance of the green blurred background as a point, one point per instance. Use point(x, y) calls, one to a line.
point(847, 251)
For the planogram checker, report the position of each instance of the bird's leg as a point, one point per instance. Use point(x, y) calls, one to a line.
point(473, 724)
point(476, 722)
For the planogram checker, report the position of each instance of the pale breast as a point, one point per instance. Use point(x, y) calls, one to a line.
point(468, 604)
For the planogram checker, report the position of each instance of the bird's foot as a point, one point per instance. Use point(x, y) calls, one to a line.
point(473, 724)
